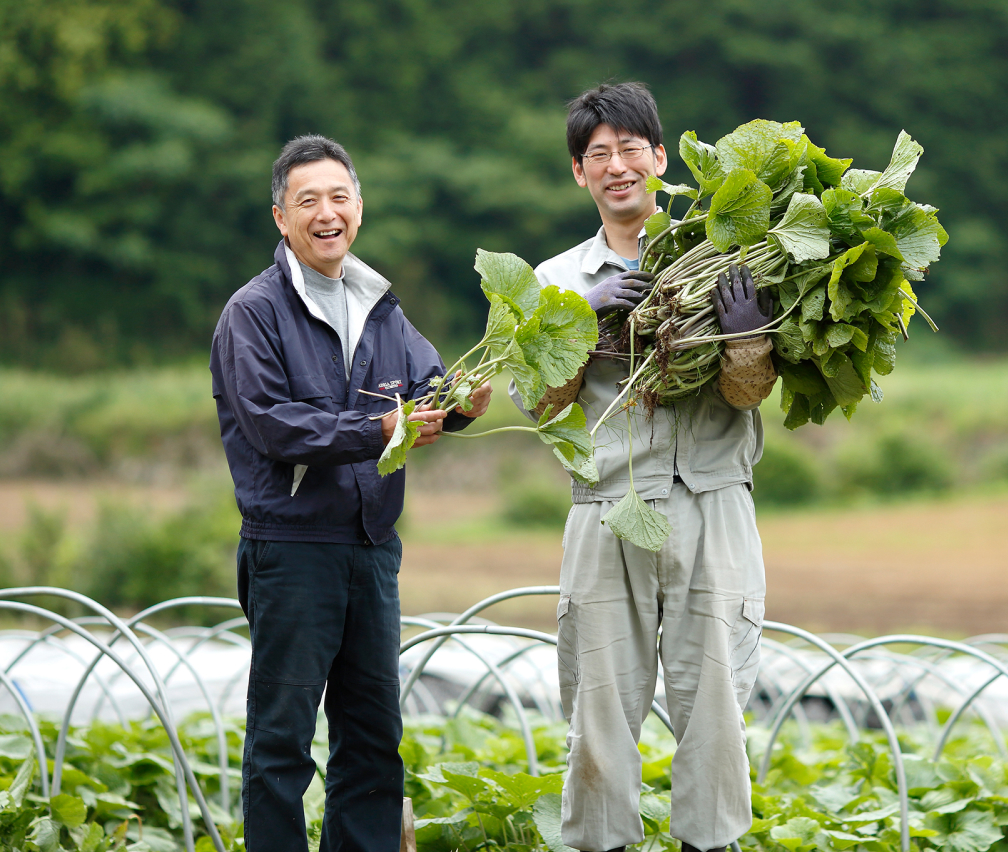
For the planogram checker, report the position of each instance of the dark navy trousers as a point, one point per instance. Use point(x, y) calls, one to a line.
point(322, 616)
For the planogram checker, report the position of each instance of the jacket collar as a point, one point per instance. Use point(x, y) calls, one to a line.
point(364, 286)
point(600, 254)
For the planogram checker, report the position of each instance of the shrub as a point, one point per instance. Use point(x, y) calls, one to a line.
point(898, 463)
point(536, 503)
point(132, 561)
point(785, 476)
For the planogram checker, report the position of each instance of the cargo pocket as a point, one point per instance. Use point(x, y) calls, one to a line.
point(745, 647)
point(567, 656)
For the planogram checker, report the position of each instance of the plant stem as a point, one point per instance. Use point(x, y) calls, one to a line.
point(918, 308)
point(622, 393)
point(492, 431)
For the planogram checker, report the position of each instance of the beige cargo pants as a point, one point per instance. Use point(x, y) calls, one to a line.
point(705, 590)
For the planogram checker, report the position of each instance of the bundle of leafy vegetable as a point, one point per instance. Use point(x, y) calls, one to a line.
point(837, 247)
point(542, 336)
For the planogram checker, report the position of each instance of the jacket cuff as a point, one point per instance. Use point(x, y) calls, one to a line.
point(373, 437)
point(455, 422)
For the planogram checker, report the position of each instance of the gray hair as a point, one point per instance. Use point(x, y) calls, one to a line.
point(308, 149)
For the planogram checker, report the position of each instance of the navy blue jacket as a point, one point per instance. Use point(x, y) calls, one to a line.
point(283, 399)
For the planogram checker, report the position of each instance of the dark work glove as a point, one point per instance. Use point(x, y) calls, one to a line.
point(619, 292)
point(738, 307)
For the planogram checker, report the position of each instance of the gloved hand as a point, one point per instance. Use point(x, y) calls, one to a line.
point(619, 292)
point(738, 307)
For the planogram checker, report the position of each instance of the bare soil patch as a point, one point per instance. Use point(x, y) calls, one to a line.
point(922, 566)
point(79, 499)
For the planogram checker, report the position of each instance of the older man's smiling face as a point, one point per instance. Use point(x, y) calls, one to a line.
point(322, 212)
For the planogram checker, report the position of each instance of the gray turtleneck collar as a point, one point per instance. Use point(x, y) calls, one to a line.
point(330, 296)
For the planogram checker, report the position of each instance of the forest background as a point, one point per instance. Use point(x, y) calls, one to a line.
point(136, 139)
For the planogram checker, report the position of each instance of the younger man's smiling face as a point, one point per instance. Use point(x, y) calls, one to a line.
point(618, 186)
point(322, 212)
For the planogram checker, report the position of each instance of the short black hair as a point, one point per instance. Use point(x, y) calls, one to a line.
point(623, 106)
point(308, 149)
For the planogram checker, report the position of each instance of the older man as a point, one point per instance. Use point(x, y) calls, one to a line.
point(293, 355)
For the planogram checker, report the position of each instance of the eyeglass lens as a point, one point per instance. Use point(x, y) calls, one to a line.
point(605, 156)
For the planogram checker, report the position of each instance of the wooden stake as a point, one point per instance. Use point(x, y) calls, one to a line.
point(407, 839)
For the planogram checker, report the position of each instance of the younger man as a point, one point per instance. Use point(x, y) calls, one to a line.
point(692, 462)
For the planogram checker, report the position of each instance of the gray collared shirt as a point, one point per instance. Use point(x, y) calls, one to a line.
point(706, 441)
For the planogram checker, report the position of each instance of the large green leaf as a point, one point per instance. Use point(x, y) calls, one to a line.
point(635, 521)
point(15, 746)
point(759, 146)
point(788, 341)
point(556, 339)
point(521, 790)
point(568, 435)
point(883, 241)
point(509, 277)
point(859, 180)
point(803, 378)
point(526, 378)
point(656, 223)
point(653, 184)
point(918, 234)
point(845, 384)
point(500, 328)
point(702, 161)
point(739, 211)
point(45, 835)
point(813, 305)
point(797, 832)
point(803, 234)
point(403, 437)
point(904, 159)
point(67, 809)
point(21, 783)
point(846, 215)
point(829, 170)
point(470, 786)
point(858, 264)
point(966, 831)
point(885, 353)
point(546, 814)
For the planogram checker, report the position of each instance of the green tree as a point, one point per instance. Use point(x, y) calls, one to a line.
point(136, 138)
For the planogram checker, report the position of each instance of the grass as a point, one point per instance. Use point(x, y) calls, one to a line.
point(485, 515)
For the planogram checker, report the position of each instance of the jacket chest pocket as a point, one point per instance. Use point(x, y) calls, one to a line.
point(313, 390)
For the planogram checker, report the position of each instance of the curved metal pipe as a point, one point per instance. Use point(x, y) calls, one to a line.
point(474, 687)
point(841, 660)
point(523, 723)
point(934, 642)
point(495, 630)
point(223, 764)
point(48, 637)
point(464, 617)
point(841, 705)
point(162, 714)
point(33, 728)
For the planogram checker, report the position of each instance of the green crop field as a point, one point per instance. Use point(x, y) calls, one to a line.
point(467, 781)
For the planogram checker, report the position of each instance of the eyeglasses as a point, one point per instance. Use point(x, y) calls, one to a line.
point(597, 158)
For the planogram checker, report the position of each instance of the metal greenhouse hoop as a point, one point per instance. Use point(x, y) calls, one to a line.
point(180, 760)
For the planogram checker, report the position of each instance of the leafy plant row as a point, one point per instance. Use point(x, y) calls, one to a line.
point(470, 791)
